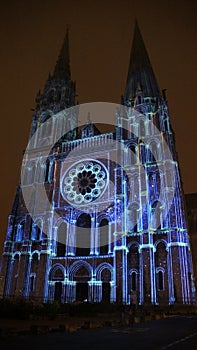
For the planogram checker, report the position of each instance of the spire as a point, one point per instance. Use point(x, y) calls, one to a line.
point(62, 67)
point(140, 70)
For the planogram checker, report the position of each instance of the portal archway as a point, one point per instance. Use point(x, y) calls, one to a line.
point(81, 277)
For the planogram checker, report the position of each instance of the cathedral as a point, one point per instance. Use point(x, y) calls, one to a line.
point(99, 216)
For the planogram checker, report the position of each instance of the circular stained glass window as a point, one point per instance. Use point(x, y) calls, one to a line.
point(84, 182)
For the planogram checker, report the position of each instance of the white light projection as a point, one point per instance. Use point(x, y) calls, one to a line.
point(84, 181)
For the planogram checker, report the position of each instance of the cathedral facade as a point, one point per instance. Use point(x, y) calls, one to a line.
point(99, 216)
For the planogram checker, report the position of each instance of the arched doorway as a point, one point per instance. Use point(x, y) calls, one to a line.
point(106, 288)
point(83, 232)
point(82, 291)
point(58, 291)
point(82, 277)
point(57, 276)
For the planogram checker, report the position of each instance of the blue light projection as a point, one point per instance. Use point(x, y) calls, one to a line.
point(100, 216)
point(83, 182)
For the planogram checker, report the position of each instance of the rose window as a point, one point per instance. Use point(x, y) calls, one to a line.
point(84, 182)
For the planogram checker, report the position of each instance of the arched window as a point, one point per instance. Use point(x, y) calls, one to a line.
point(36, 231)
point(83, 232)
point(49, 170)
point(20, 232)
point(104, 236)
point(156, 215)
point(133, 217)
point(142, 128)
point(154, 184)
point(57, 275)
point(161, 265)
point(31, 286)
point(61, 239)
point(133, 281)
point(34, 271)
point(153, 154)
point(160, 280)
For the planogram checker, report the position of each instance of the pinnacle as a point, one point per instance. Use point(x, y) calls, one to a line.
point(140, 70)
point(62, 67)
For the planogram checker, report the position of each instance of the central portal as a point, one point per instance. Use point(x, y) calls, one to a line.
point(82, 291)
point(81, 277)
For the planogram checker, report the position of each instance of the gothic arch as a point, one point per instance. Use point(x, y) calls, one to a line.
point(102, 267)
point(154, 150)
point(17, 253)
point(37, 226)
point(36, 252)
point(78, 265)
point(132, 153)
point(57, 273)
point(105, 274)
point(103, 216)
point(133, 273)
point(35, 259)
point(133, 267)
point(160, 274)
point(133, 243)
point(161, 265)
point(20, 230)
point(160, 241)
point(133, 255)
point(160, 253)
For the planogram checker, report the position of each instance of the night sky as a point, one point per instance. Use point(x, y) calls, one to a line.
point(31, 35)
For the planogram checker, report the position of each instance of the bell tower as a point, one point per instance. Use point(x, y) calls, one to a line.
point(59, 93)
point(158, 262)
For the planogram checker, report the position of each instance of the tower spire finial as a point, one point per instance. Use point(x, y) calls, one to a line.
point(62, 67)
point(140, 69)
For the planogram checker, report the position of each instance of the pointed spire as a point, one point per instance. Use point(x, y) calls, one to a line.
point(140, 70)
point(62, 67)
